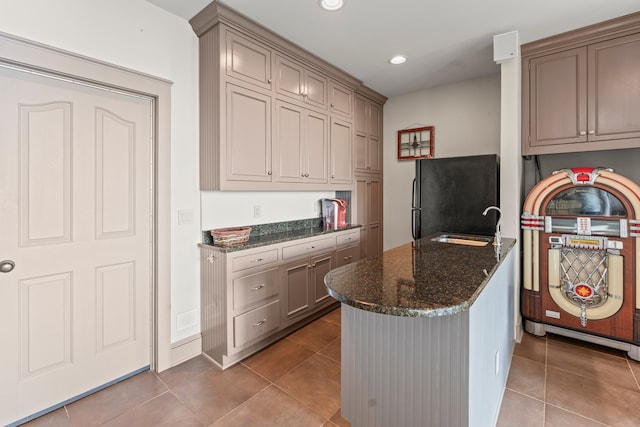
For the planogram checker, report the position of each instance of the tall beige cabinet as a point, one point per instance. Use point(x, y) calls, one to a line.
point(368, 170)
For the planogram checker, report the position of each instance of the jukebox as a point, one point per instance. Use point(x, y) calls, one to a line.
point(581, 266)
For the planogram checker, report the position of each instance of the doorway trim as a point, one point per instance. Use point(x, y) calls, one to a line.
point(37, 57)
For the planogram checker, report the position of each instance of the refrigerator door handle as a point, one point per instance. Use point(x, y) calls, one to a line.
point(415, 214)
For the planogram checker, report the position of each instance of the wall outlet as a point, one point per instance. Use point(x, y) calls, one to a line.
point(257, 211)
point(185, 217)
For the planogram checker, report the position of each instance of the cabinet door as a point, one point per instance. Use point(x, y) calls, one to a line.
point(374, 153)
point(361, 216)
point(248, 147)
point(315, 89)
point(316, 147)
point(375, 120)
point(288, 145)
point(341, 146)
point(294, 282)
point(289, 78)
point(374, 199)
point(340, 99)
point(614, 89)
point(360, 152)
point(360, 109)
point(248, 60)
point(556, 111)
point(557, 108)
point(374, 240)
point(320, 266)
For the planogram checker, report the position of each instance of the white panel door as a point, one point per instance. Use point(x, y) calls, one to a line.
point(75, 209)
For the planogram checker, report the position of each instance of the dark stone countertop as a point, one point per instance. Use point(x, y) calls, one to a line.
point(272, 238)
point(419, 279)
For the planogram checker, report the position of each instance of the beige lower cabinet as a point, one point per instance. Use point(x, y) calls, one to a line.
point(302, 285)
point(251, 298)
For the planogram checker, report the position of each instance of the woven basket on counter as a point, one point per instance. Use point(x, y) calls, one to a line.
point(230, 236)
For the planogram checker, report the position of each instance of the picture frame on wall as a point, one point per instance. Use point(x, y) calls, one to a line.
point(416, 143)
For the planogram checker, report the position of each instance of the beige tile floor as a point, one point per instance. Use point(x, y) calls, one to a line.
point(553, 381)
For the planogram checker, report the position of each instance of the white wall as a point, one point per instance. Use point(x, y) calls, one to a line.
point(230, 209)
point(466, 117)
point(145, 38)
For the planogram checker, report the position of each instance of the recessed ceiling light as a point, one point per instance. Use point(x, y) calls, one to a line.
point(398, 59)
point(331, 4)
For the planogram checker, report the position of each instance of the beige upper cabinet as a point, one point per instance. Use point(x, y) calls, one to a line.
point(300, 145)
point(367, 123)
point(294, 80)
point(581, 98)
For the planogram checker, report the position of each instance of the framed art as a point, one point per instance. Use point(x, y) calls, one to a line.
point(416, 143)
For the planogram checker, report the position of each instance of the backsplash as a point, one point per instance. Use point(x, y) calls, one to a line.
point(275, 227)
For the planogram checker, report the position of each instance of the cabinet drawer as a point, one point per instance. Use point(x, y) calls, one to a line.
point(249, 290)
point(254, 260)
point(347, 255)
point(302, 249)
point(251, 325)
point(349, 238)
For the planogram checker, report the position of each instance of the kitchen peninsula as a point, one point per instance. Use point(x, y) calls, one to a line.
point(427, 334)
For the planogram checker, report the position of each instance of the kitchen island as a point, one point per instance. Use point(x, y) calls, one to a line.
point(427, 334)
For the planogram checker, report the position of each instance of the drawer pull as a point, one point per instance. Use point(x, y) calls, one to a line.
point(257, 288)
point(347, 258)
point(257, 260)
point(260, 323)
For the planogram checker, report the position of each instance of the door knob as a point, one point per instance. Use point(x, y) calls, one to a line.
point(6, 266)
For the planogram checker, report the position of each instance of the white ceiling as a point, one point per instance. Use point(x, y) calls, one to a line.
point(445, 41)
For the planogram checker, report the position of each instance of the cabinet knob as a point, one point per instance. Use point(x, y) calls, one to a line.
point(269, 81)
point(211, 258)
point(582, 133)
point(592, 132)
point(269, 173)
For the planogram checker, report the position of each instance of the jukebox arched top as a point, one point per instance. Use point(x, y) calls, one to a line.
point(585, 201)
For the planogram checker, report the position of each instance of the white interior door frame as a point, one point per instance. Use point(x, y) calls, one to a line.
point(36, 57)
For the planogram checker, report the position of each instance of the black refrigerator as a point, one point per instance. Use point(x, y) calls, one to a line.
point(450, 195)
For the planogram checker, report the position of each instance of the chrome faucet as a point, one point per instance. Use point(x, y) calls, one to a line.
point(497, 241)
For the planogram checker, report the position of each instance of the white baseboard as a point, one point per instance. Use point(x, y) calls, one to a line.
point(185, 349)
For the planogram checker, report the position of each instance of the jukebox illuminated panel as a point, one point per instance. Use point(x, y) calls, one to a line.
point(580, 260)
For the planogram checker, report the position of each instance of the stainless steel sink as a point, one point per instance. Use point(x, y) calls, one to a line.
point(463, 239)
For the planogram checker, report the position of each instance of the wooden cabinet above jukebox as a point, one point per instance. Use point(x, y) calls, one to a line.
point(580, 89)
